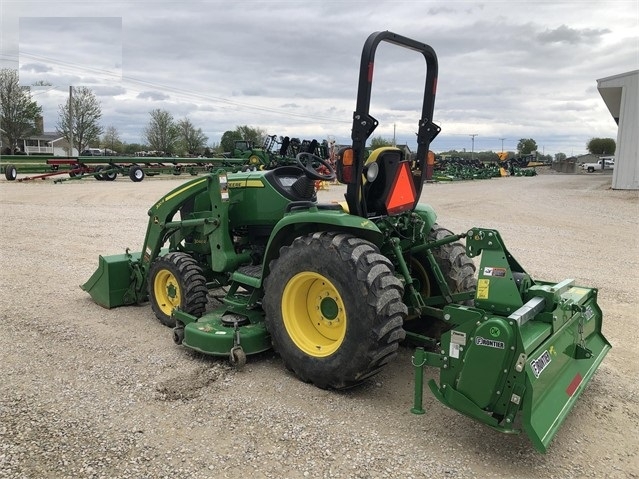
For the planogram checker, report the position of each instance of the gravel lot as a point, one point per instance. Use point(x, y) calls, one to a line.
point(87, 392)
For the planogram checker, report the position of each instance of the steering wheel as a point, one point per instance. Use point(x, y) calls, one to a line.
point(306, 161)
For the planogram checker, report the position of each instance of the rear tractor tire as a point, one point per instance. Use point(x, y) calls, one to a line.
point(334, 309)
point(458, 270)
point(457, 267)
point(176, 280)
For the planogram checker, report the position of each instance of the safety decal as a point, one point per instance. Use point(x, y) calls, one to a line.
point(538, 365)
point(491, 343)
point(483, 286)
point(457, 339)
point(495, 272)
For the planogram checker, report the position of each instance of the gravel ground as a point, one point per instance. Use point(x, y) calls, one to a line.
point(87, 392)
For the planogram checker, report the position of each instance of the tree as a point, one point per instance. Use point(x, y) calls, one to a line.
point(379, 142)
point(601, 146)
point(251, 134)
point(111, 139)
point(18, 112)
point(228, 140)
point(131, 149)
point(560, 156)
point(193, 140)
point(80, 126)
point(162, 133)
point(526, 146)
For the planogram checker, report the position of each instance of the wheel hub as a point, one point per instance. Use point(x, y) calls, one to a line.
point(316, 325)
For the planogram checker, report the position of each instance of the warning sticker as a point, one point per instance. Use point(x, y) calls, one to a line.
point(483, 285)
point(453, 351)
point(496, 272)
point(457, 337)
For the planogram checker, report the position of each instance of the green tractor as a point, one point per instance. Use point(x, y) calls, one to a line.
point(336, 288)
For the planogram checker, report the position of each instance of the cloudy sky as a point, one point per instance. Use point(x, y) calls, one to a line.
point(507, 70)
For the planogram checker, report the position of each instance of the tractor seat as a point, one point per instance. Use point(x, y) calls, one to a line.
point(292, 183)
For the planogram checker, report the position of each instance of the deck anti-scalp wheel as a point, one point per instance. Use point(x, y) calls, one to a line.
point(334, 309)
point(176, 280)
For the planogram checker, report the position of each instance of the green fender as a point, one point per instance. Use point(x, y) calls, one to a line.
point(303, 222)
point(427, 213)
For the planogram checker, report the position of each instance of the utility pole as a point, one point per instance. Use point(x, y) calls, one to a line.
point(472, 151)
point(502, 144)
point(394, 126)
point(71, 121)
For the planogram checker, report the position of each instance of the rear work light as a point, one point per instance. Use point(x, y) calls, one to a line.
point(345, 167)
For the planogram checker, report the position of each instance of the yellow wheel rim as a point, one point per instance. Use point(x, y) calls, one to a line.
point(314, 314)
point(167, 291)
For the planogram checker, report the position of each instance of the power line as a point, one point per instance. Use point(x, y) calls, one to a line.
point(189, 94)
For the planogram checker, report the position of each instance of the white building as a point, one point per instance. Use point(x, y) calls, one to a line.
point(621, 95)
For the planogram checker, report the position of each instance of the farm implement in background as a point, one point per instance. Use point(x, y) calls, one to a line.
point(271, 154)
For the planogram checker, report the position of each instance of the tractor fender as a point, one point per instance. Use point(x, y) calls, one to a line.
point(427, 214)
point(314, 219)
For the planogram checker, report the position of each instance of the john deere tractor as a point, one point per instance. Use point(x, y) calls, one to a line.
point(336, 288)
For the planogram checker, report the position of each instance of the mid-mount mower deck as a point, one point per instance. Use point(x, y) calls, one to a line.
point(336, 288)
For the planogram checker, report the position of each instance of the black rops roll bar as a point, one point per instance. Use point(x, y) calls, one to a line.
point(364, 124)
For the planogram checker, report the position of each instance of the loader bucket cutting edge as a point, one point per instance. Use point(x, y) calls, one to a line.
point(110, 282)
point(552, 393)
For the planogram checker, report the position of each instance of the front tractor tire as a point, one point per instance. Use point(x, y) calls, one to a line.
point(334, 309)
point(176, 280)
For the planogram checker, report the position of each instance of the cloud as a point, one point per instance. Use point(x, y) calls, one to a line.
point(153, 96)
point(565, 34)
point(506, 70)
point(34, 68)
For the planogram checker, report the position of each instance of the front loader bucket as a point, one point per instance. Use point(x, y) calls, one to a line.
point(111, 284)
point(558, 371)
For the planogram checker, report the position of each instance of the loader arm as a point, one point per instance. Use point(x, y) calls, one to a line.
point(121, 279)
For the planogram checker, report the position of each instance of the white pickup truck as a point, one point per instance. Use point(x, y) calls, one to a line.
point(600, 164)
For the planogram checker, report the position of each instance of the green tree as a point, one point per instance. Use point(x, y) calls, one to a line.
point(251, 134)
point(162, 134)
point(111, 139)
point(379, 142)
point(81, 123)
point(526, 146)
point(18, 112)
point(228, 140)
point(560, 156)
point(192, 140)
point(601, 146)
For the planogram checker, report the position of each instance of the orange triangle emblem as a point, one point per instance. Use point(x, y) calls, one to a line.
point(402, 196)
